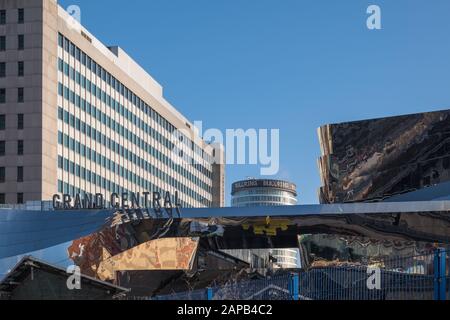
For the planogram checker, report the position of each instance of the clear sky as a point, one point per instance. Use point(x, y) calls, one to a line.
point(287, 64)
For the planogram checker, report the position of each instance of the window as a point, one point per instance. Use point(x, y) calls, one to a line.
point(20, 68)
point(20, 147)
point(2, 43)
point(2, 122)
point(2, 16)
point(20, 121)
point(21, 42)
point(20, 198)
point(21, 15)
point(2, 95)
point(20, 95)
point(2, 69)
point(2, 175)
point(19, 174)
point(2, 148)
point(2, 198)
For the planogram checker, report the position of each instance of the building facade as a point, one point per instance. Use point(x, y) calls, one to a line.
point(381, 159)
point(78, 117)
point(265, 192)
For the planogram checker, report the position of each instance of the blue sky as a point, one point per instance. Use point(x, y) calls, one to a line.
point(289, 64)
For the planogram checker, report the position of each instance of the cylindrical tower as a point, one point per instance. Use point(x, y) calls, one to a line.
point(263, 192)
point(267, 192)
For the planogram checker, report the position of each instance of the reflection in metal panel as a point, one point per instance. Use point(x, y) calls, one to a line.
point(379, 158)
point(161, 254)
point(120, 246)
point(231, 228)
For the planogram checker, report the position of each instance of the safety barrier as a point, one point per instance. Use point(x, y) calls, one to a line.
point(419, 277)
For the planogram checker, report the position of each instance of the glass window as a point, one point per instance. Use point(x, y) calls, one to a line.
point(60, 40)
point(71, 49)
point(19, 174)
point(20, 147)
point(21, 42)
point(77, 54)
point(2, 69)
point(20, 68)
point(2, 148)
point(2, 43)
point(2, 122)
point(20, 121)
point(2, 95)
point(21, 15)
point(20, 198)
point(2, 16)
point(20, 95)
point(2, 198)
point(2, 175)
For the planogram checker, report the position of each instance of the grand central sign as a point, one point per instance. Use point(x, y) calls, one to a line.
point(124, 201)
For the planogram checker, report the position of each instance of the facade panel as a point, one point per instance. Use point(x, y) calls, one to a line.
point(373, 160)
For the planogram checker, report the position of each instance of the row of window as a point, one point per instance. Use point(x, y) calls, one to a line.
point(281, 200)
point(111, 166)
point(96, 113)
point(20, 95)
point(20, 148)
point(3, 174)
point(20, 121)
point(265, 191)
point(259, 204)
point(20, 69)
point(117, 107)
point(113, 125)
point(19, 200)
point(20, 42)
point(109, 79)
point(20, 16)
point(92, 178)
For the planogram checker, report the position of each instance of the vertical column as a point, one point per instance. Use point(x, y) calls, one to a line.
point(293, 286)
point(49, 105)
point(209, 294)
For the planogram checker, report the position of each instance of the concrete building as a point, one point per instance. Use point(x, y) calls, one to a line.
point(265, 193)
point(79, 117)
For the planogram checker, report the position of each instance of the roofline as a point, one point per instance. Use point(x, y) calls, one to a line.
point(60, 269)
point(318, 209)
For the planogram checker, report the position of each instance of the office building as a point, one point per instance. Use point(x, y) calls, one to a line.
point(79, 117)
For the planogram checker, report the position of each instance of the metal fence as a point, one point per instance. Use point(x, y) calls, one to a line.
point(419, 277)
point(274, 288)
point(189, 295)
point(353, 283)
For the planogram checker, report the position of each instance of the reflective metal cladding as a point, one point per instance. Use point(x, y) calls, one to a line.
point(123, 246)
point(374, 159)
point(228, 228)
